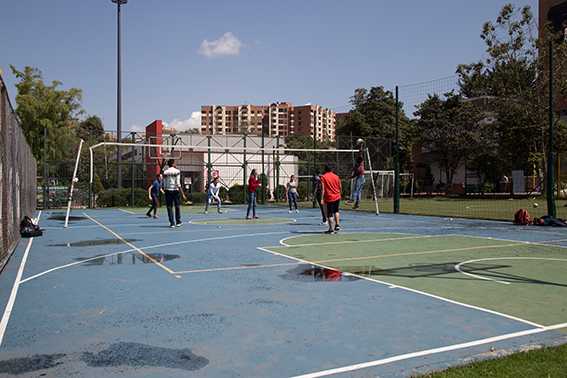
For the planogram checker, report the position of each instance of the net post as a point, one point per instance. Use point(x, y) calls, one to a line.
point(551, 210)
point(397, 157)
point(91, 174)
point(310, 174)
point(209, 164)
point(133, 135)
point(45, 169)
point(372, 179)
point(244, 169)
point(277, 167)
point(73, 183)
point(263, 191)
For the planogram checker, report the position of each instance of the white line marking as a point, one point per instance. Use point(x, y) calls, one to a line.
point(241, 267)
point(155, 246)
point(14, 293)
point(429, 352)
point(134, 247)
point(458, 266)
point(409, 289)
point(373, 231)
point(128, 212)
point(362, 241)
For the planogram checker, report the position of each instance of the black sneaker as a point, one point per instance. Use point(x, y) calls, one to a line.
point(329, 232)
point(337, 228)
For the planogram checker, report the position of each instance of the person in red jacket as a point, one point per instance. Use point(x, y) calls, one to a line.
point(253, 185)
point(331, 197)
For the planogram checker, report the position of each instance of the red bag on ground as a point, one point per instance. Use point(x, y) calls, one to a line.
point(522, 217)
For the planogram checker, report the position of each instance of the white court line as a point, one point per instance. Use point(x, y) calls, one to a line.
point(428, 352)
point(154, 246)
point(359, 241)
point(157, 263)
point(358, 231)
point(128, 212)
point(393, 286)
point(231, 268)
point(458, 266)
point(14, 293)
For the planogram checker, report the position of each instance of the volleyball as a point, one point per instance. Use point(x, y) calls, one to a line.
point(359, 141)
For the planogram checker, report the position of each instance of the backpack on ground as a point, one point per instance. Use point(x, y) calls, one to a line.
point(522, 217)
point(28, 229)
point(546, 220)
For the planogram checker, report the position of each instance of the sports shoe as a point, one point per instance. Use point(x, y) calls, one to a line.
point(248, 218)
point(171, 226)
point(148, 215)
point(324, 223)
point(297, 210)
point(156, 216)
point(337, 228)
point(206, 212)
point(255, 217)
point(220, 211)
point(329, 232)
point(290, 211)
point(179, 224)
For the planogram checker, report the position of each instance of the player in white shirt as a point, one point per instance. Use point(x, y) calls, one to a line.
point(172, 187)
point(213, 194)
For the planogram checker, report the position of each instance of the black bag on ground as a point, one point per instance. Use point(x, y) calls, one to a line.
point(28, 229)
point(546, 220)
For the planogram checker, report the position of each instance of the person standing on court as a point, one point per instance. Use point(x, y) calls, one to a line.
point(253, 185)
point(172, 187)
point(291, 192)
point(153, 194)
point(331, 197)
point(359, 180)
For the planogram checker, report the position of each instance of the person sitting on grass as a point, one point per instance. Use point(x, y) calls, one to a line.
point(253, 185)
point(331, 197)
point(153, 194)
point(291, 193)
point(213, 194)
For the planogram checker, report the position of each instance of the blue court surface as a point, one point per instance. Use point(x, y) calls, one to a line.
point(118, 294)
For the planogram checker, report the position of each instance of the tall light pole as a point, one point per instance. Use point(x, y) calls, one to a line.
point(119, 94)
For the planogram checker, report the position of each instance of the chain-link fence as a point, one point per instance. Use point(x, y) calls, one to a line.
point(18, 177)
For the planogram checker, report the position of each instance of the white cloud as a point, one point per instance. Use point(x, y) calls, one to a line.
point(193, 122)
point(226, 45)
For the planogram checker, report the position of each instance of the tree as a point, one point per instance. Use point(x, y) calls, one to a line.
point(91, 130)
point(453, 130)
point(41, 106)
point(513, 78)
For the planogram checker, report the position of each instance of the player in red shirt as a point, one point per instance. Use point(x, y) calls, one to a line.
point(331, 197)
point(253, 184)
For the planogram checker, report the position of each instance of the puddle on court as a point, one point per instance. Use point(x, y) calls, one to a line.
point(25, 365)
point(127, 259)
point(310, 273)
point(93, 243)
point(61, 217)
point(141, 355)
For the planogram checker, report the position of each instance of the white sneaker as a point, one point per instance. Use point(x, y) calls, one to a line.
point(297, 210)
point(179, 224)
point(290, 211)
point(206, 212)
point(324, 223)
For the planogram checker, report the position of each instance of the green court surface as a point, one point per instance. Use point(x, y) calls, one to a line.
point(185, 209)
point(243, 221)
point(519, 279)
point(496, 209)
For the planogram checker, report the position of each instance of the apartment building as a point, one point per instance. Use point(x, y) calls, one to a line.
point(277, 119)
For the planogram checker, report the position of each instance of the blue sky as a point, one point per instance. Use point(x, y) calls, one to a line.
point(181, 54)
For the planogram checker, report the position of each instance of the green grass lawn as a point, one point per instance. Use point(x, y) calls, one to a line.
point(546, 362)
point(496, 209)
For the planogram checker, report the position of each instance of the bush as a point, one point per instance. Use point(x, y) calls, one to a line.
point(280, 193)
point(122, 197)
point(198, 197)
point(303, 190)
point(236, 194)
